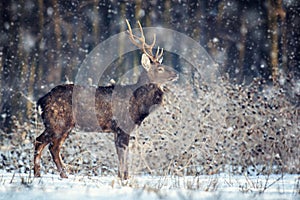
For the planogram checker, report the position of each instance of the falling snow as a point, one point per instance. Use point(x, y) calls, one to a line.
point(228, 128)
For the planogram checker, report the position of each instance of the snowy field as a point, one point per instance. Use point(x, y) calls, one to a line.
point(231, 118)
point(222, 186)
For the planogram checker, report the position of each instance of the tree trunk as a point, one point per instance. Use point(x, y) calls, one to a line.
point(273, 34)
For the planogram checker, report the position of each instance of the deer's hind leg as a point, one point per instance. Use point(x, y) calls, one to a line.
point(40, 143)
point(54, 148)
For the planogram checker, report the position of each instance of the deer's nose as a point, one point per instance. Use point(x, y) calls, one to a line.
point(174, 77)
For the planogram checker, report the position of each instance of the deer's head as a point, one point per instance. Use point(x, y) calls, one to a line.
point(156, 71)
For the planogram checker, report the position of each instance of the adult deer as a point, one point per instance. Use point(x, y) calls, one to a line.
point(58, 110)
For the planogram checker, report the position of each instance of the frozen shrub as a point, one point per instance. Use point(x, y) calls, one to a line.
point(198, 130)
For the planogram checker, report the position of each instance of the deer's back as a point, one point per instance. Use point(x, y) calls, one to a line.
point(113, 107)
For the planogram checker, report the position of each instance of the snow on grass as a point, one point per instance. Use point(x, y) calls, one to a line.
point(221, 186)
point(224, 129)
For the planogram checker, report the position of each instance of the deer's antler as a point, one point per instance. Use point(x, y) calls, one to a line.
point(141, 43)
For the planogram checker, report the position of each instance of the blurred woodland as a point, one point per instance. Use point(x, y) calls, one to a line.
point(42, 43)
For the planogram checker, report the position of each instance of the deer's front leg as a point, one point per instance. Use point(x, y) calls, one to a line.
point(121, 143)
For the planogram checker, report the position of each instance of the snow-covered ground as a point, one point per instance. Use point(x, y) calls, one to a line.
point(222, 186)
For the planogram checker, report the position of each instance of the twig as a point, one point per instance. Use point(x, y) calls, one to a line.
point(12, 178)
point(268, 186)
point(27, 98)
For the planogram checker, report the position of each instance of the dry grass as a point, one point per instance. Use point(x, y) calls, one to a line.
point(199, 130)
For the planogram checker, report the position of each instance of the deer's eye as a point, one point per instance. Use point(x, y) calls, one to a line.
point(160, 69)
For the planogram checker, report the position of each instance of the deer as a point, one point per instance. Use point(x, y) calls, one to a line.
point(57, 111)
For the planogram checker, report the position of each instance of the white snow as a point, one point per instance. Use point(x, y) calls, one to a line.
point(222, 186)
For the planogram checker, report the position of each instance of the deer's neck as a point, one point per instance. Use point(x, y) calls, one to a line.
point(144, 100)
point(143, 78)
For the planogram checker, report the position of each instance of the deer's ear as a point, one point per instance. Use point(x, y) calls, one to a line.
point(146, 62)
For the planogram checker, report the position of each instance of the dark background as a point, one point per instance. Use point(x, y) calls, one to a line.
point(42, 43)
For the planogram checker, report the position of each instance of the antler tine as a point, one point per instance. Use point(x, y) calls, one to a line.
point(150, 47)
point(145, 45)
point(143, 40)
point(141, 30)
point(129, 27)
point(159, 55)
point(132, 37)
point(153, 43)
point(141, 43)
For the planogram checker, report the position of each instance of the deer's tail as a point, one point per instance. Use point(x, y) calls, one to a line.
point(42, 103)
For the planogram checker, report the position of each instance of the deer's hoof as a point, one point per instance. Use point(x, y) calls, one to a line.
point(123, 176)
point(63, 174)
point(36, 172)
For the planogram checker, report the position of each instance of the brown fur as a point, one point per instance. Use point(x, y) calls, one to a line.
point(116, 109)
point(58, 118)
